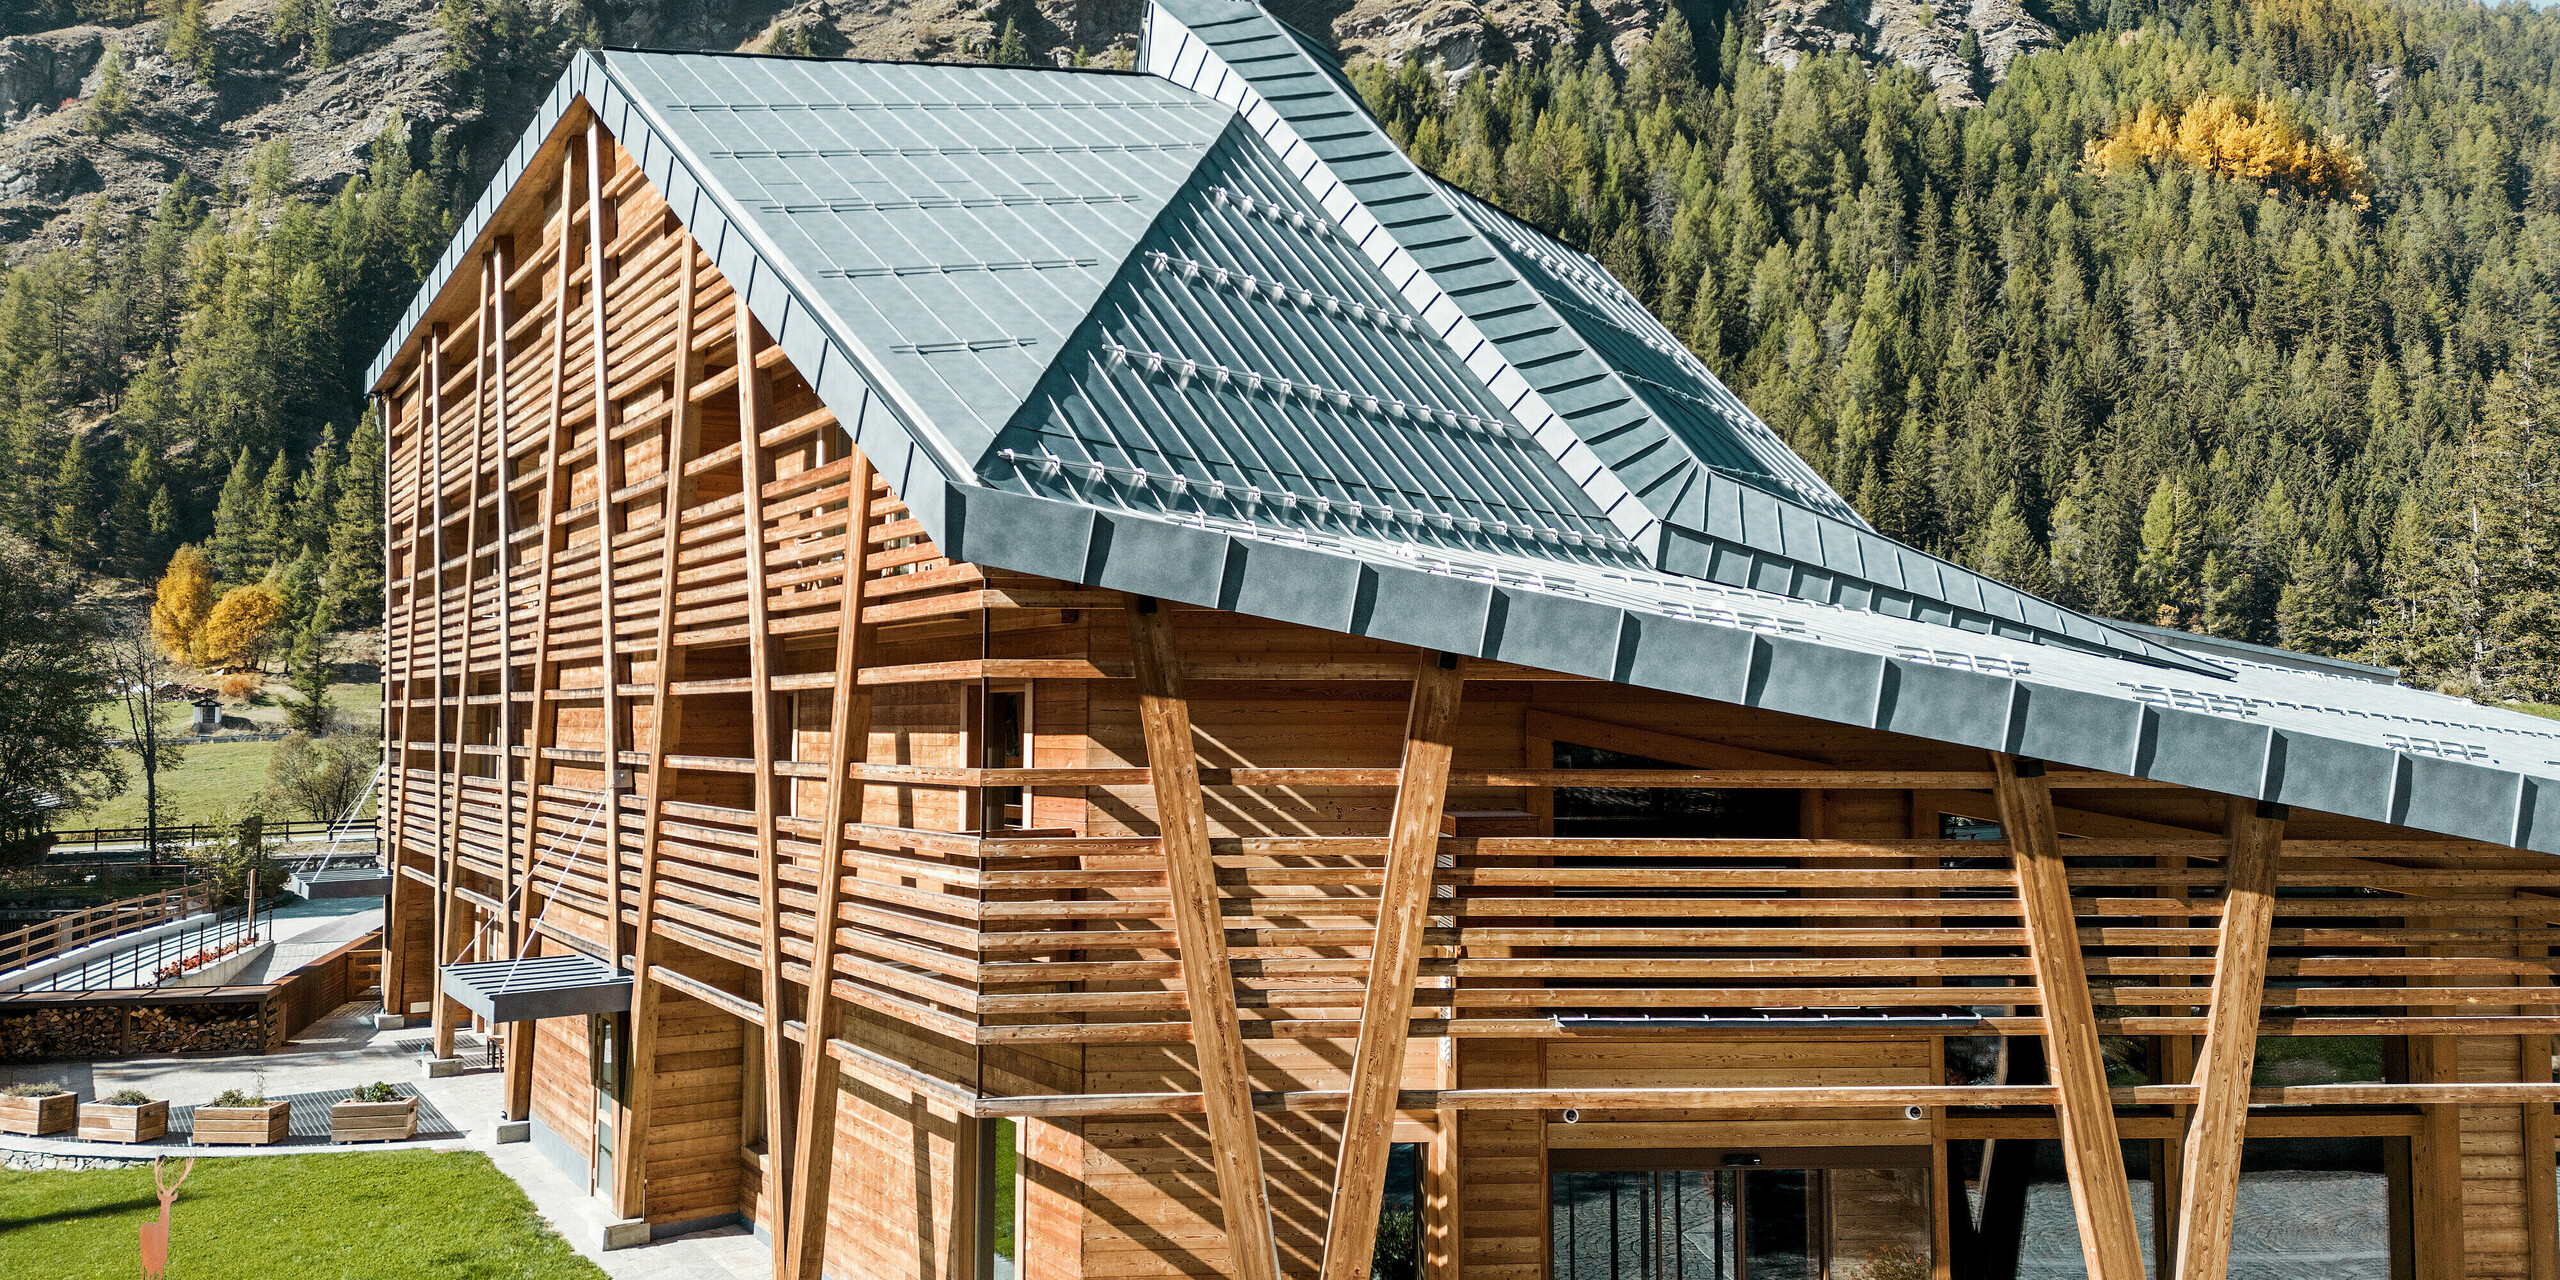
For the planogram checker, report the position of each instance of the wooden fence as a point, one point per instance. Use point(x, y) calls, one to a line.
point(40, 942)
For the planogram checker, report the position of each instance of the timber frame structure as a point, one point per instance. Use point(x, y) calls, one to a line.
point(913, 795)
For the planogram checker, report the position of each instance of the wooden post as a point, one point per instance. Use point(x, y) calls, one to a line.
point(502, 255)
point(544, 728)
point(610, 522)
point(2209, 1187)
point(682, 441)
point(755, 412)
point(1404, 907)
point(1216, 1038)
point(2101, 1196)
point(438, 904)
point(850, 743)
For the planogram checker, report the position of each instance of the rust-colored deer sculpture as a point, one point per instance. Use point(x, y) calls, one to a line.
point(155, 1235)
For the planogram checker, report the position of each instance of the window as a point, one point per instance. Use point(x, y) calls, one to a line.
point(1398, 1255)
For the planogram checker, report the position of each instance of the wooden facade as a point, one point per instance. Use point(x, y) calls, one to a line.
point(1217, 912)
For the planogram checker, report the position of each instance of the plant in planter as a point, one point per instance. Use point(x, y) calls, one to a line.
point(127, 1115)
point(243, 1119)
point(37, 1109)
point(376, 1112)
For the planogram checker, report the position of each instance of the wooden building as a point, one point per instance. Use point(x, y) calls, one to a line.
point(1323, 739)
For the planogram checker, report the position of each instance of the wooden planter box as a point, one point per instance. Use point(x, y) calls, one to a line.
point(244, 1126)
point(373, 1121)
point(53, 1113)
point(106, 1122)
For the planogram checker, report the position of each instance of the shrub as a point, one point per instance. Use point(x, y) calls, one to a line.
point(127, 1098)
point(378, 1091)
point(240, 686)
point(39, 1089)
point(235, 1098)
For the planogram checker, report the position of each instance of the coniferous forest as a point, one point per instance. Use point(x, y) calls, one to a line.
point(2235, 316)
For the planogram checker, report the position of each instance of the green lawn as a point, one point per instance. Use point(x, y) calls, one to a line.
point(225, 775)
point(215, 775)
point(382, 1216)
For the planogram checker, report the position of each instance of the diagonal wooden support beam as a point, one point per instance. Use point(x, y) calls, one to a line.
point(681, 443)
point(755, 413)
point(1217, 1040)
point(2101, 1198)
point(2209, 1187)
point(1386, 1008)
point(849, 729)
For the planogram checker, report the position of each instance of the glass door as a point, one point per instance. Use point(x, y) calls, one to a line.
point(1687, 1224)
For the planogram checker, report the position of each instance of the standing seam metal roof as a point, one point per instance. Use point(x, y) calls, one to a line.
point(1597, 607)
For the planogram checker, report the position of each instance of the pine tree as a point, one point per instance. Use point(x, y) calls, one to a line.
point(187, 36)
point(236, 522)
point(74, 527)
point(353, 577)
point(275, 526)
point(1011, 48)
point(113, 101)
point(2170, 573)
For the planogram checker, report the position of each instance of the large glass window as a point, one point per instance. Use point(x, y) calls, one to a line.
point(1689, 1224)
point(1398, 1255)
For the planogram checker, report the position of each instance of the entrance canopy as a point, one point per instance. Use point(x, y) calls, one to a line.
point(538, 987)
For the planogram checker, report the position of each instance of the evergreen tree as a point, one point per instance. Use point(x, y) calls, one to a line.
point(353, 576)
point(187, 35)
point(236, 522)
point(113, 101)
point(75, 504)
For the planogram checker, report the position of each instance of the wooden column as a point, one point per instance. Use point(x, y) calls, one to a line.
point(2541, 1135)
point(1386, 1010)
point(2209, 1186)
point(433, 414)
point(610, 523)
point(755, 413)
point(1164, 714)
point(681, 444)
point(452, 912)
point(2101, 1196)
point(400, 662)
point(849, 736)
point(502, 256)
point(543, 730)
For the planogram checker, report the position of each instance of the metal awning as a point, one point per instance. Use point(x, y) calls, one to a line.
point(538, 987)
point(341, 882)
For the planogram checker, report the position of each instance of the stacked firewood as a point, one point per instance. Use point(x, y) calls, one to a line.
point(66, 1032)
point(199, 1028)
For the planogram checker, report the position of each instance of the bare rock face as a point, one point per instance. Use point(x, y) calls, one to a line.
point(1461, 34)
point(1925, 36)
point(38, 73)
point(1052, 30)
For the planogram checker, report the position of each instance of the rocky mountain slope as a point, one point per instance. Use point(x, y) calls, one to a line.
point(392, 58)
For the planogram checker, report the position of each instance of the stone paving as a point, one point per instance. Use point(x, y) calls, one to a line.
point(320, 1066)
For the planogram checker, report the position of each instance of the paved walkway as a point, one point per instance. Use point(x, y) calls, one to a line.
point(326, 1062)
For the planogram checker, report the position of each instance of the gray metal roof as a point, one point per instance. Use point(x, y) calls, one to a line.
point(538, 987)
point(1258, 396)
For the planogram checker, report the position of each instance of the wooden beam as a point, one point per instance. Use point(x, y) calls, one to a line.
point(680, 443)
point(755, 410)
point(610, 523)
point(432, 414)
point(1377, 1063)
point(1217, 1040)
point(849, 736)
point(2209, 1185)
point(2101, 1196)
point(544, 729)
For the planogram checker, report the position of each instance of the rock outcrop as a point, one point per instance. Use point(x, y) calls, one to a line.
point(1927, 37)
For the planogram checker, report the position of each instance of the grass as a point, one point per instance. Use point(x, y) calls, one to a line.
point(214, 775)
point(383, 1216)
point(225, 775)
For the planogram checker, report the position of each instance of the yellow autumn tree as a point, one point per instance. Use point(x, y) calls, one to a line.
point(2251, 142)
point(236, 633)
point(185, 600)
